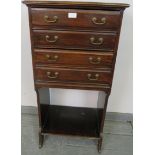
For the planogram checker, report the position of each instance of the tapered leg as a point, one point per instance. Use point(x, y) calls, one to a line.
point(41, 140)
point(99, 146)
point(101, 116)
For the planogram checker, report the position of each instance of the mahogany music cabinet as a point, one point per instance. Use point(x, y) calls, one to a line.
point(74, 45)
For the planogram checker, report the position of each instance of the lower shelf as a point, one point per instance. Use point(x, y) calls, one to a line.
point(71, 120)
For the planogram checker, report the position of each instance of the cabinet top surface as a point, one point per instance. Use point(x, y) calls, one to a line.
point(75, 3)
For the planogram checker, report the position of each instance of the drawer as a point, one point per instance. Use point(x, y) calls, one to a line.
point(74, 40)
point(73, 58)
point(75, 19)
point(73, 75)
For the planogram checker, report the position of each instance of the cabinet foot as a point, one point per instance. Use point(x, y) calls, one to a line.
point(99, 145)
point(41, 140)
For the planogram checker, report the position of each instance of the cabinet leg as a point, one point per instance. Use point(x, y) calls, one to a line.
point(99, 146)
point(41, 139)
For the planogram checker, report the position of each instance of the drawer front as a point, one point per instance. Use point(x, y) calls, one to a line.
point(73, 75)
point(73, 58)
point(74, 40)
point(76, 19)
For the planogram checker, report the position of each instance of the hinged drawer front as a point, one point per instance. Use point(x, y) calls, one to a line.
point(73, 75)
point(73, 58)
point(74, 40)
point(80, 19)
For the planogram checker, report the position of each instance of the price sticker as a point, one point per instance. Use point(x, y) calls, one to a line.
point(72, 15)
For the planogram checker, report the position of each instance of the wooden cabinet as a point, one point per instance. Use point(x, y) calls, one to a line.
point(74, 45)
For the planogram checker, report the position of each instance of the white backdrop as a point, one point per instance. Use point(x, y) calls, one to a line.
point(120, 99)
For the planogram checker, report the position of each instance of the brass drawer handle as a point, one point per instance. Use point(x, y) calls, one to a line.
point(52, 59)
point(47, 19)
point(52, 76)
point(100, 41)
point(103, 21)
point(93, 79)
point(97, 61)
point(51, 41)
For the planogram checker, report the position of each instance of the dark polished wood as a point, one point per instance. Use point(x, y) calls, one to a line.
point(72, 121)
point(85, 20)
point(73, 85)
point(73, 75)
point(76, 5)
point(74, 40)
point(74, 46)
point(73, 58)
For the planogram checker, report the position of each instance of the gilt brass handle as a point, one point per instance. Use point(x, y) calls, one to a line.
point(52, 76)
point(48, 20)
point(103, 21)
point(52, 59)
point(51, 41)
point(93, 78)
point(100, 41)
point(97, 61)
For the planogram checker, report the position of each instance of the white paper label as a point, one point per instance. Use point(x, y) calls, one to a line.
point(72, 15)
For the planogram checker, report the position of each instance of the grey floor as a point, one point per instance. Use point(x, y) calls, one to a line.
point(117, 140)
